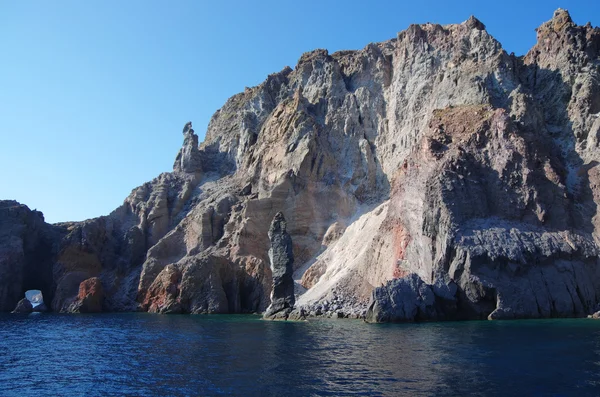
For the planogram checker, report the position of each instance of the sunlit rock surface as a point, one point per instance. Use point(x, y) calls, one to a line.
point(281, 257)
point(434, 154)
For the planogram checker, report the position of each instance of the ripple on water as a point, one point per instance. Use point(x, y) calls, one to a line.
point(148, 355)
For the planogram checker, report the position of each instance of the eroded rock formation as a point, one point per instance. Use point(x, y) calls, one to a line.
point(432, 159)
point(281, 257)
point(23, 306)
point(90, 297)
point(409, 299)
point(27, 248)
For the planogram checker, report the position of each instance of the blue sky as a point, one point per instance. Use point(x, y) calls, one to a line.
point(94, 94)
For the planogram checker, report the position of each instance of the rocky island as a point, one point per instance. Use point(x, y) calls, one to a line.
point(432, 176)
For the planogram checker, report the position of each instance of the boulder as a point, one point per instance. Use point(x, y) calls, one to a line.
point(409, 299)
point(24, 306)
point(90, 297)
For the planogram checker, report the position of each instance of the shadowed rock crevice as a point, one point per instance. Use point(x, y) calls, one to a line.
point(27, 249)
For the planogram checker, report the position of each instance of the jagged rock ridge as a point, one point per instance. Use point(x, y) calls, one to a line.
point(434, 155)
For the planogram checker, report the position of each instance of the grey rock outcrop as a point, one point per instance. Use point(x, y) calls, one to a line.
point(27, 247)
point(24, 306)
point(409, 299)
point(434, 153)
point(282, 267)
point(188, 159)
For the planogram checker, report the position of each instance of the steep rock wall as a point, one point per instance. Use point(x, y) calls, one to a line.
point(434, 155)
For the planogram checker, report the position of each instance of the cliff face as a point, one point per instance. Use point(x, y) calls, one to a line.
point(27, 248)
point(434, 156)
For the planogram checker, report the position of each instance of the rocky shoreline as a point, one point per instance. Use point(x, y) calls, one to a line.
point(429, 177)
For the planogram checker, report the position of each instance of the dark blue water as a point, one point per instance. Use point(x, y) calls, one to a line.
point(158, 355)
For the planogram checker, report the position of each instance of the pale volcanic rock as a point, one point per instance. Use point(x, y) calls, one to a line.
point(434, 157)
point(189, 158)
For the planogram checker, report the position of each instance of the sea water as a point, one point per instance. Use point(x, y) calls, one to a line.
point(196, 355)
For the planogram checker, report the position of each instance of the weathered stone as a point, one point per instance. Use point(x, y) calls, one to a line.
point(282, 262)
point(297, 315)
point(27, 246)
point(409, 299)
point(24, 306)
point(188, 159)
point(435, 153)
point(246, 190)
point(90, 297)
point(163, 293)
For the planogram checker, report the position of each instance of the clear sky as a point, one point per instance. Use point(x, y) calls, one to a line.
point(94, 94)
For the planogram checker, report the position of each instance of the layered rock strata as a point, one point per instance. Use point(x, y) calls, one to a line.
point(432, 159)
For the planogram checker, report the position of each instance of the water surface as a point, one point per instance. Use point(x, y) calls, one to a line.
point(185, 355)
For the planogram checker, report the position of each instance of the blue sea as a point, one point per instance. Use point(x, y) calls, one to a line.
point(195, 355)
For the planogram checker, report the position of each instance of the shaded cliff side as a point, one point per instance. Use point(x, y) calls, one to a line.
point(434, 157)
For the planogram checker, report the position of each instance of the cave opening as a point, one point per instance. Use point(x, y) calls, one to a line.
point(35, 297)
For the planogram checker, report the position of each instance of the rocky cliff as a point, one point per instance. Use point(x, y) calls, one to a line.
point(27, 248)
point(434, 157)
